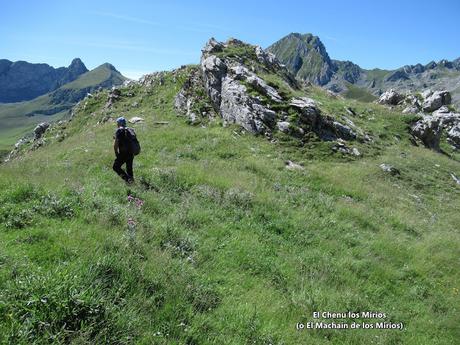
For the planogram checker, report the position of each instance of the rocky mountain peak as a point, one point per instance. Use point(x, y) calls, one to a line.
point(75, 69)
point(305, 56)
point(77, 66)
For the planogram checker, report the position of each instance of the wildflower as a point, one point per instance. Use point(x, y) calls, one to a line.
point(139, 202)
point(131, 222)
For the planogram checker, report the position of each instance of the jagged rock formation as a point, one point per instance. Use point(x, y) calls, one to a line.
point(412, 104)
point(453, 135)
point(390, 97)
point(21, 81)
point(429, 129)
point(229, 84)
point(192, 99)
point(428, 101)
point(35, 139)
point(40, 129)
point(435, 100)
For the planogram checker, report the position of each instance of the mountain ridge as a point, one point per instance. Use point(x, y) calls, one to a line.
point(23, 81)
point(335, 74)
point(19, 118)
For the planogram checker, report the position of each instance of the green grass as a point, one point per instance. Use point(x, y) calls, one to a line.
point(18, 119)
point(96, 76)
point(15, 124)
point(358, 93)
point(229, 247)
point(377, 74)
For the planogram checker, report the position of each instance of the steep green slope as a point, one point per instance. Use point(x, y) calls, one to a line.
point(228, 246)
point(19, 118)
point(305, 56)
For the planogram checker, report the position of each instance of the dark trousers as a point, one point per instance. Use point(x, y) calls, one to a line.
point(119, 161)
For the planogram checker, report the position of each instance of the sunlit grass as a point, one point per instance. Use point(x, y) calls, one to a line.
point(228, 247)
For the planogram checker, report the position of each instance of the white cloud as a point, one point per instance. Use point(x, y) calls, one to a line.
point(191, 27)
point(127, 18)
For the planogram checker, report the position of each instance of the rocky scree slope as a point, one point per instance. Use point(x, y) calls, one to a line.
point(245, 85)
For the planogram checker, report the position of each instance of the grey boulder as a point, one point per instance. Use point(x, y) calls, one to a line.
point(389, 169)
point(410, 110)
point(40, 129)
point(310, 113)
point(283, 126)
point(429, 131)
point(390, 97)
point(436, 101)
point(136, 119)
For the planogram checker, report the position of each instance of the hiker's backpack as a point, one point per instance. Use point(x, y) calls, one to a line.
point(133, 144)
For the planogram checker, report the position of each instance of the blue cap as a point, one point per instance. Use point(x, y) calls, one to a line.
point(121, 121)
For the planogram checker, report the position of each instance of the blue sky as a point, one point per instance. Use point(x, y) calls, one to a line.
point(144, 36)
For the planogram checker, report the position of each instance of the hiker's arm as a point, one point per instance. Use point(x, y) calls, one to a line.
point(115, 146)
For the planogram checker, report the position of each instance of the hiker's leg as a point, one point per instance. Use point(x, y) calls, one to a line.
point(117, 167)
point(129, 166)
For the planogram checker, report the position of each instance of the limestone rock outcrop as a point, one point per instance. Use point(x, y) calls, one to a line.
point(233, 76)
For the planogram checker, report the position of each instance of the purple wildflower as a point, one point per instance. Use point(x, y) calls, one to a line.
point(131, 222)
point(139, 202)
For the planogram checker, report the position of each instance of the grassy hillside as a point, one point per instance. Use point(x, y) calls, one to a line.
point(20, 118)
point(358, 93)
point(15, 124)
point(224, 244)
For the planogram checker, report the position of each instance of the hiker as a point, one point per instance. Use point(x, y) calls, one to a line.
point(126, 147)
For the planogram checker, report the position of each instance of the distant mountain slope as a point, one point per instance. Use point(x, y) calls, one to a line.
point(19, 118)
point(21, 80)
point(306, 56)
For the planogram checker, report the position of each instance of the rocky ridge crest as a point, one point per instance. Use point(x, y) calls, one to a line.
point(245, 85)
